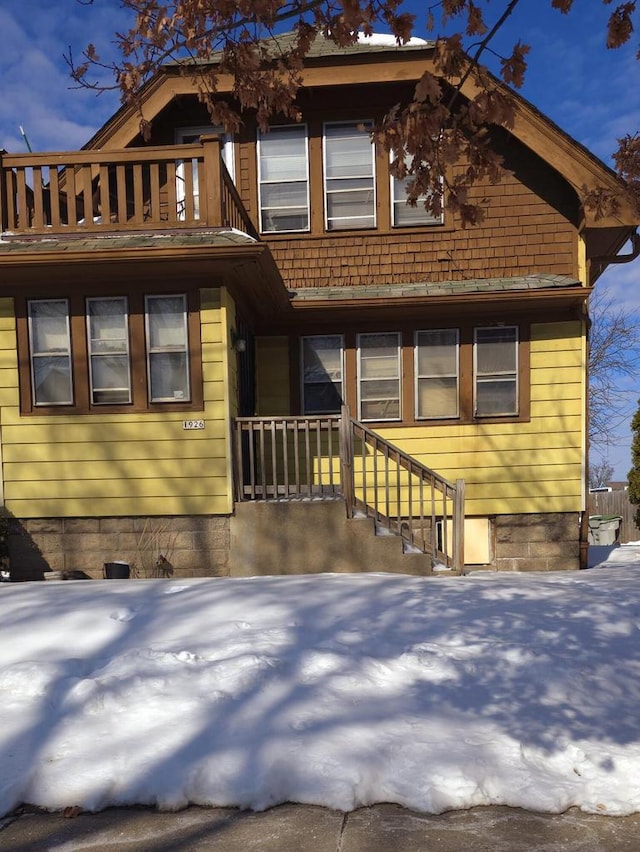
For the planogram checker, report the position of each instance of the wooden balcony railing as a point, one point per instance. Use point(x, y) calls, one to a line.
point(325, 456)
point(162, 188)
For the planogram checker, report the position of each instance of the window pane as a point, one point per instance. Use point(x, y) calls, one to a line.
point(284, 195)
point(167, 348)
point(380, 410)
point(322, 373)
point(437, 352)
point(169, 377)
point(50, 352)
point(167, 322)
point(49, 326)
point(438, 397)
point(496, 397)
point(52, 381)
point(496, 351)
point(283, 181)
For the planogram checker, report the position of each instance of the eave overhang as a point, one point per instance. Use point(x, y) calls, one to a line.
point(245, 267)
point(534, 297)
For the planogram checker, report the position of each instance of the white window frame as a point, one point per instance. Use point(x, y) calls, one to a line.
point(34, 356)
point(368, 124)
point(337, 384)
point(305, 133)
point(157, 350)
point(504, 375)
point(428, 218)
point(187, 136)
point(91, 355)
point(418, 375)
point(363, 381)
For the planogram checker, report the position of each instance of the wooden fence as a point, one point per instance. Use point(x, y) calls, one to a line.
point(616, 503)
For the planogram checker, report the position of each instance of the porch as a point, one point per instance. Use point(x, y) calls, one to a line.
point(88, 193)
point(334, 457)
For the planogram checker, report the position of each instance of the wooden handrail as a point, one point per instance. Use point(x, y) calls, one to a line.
point(153, 188)
point(329, 455)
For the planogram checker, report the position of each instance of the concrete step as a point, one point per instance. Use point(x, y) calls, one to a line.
point(310, 537)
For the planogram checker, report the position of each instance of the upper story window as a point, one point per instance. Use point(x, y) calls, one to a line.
point(349, 176)
point(108, 350)
point(283, 179)
point(133, 353)
point(322, 374)
point(403, 214)
point(496, 371)
point(437, 373)
point(379, 376)
point(50, 347)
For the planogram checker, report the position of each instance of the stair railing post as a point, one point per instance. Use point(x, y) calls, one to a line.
point(346, 460)
point(458, 527)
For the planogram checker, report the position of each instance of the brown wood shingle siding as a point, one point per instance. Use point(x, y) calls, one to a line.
point(530, 224)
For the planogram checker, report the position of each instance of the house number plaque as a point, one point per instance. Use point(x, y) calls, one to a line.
point(193, 424)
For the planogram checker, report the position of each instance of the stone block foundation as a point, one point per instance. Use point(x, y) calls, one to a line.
point(192, 546)
point(542, 542)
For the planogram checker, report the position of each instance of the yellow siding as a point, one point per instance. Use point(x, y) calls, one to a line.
point(121, 464)
point(519, 467)
point(272, 376)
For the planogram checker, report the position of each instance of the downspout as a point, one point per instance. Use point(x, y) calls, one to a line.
point(603, 262)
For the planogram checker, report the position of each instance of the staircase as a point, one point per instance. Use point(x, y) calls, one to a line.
point(286, 468)
point(310, 537)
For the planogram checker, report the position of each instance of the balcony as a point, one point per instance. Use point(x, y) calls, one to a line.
point(164, 189)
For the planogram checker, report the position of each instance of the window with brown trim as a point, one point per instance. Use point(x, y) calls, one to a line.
point(463, 374)
point(119, 353)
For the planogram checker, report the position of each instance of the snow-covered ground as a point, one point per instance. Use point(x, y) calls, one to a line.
point(435, 693)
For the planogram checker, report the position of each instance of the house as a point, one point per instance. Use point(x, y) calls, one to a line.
point(212, 345)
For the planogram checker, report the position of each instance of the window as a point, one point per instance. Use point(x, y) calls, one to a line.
point(50, 345)
point(322, 370)
point(167, 348)
point(108, 349)
point(283, 179)
point(379, 376)
point(135, 353)
point(403, 214)
point(436, 372)
point(496, 371)
point(349, 175)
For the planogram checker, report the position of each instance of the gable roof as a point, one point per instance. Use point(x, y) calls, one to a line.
point(381, 60)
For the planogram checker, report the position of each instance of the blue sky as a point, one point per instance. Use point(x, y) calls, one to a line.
point(592, 93)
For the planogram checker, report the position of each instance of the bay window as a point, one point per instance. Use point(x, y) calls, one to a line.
point(349, 176)
point(124, 353)
point(283, 179)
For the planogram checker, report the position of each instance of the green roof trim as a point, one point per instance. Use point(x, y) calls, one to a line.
point(429, 288)
point(222, 237)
